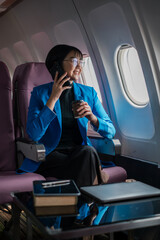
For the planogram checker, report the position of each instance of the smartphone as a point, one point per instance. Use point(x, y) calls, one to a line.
point(60, 73)
point(58, 68)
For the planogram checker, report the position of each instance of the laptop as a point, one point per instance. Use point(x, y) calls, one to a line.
point(120, 192)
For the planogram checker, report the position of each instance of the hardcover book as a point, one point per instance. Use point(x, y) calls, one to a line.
point(57, 210)
point(55, 193)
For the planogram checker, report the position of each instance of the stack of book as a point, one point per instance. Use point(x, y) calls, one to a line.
point(55, 198)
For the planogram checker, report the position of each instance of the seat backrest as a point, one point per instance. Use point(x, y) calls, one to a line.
point(7, 137)
point(25, 78)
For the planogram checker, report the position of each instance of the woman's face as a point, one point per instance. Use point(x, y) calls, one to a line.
point(72, 64)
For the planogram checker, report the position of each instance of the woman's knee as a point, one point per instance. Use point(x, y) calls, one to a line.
point(89, 149)
point(90, 154)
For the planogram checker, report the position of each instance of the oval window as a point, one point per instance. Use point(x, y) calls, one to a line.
point(132, 75)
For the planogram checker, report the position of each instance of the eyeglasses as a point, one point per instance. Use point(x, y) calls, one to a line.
point(76, 61)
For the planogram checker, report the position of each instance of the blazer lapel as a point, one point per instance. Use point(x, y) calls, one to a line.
point(77, 92)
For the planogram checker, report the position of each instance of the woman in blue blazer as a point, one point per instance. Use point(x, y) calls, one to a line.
point(69, 154)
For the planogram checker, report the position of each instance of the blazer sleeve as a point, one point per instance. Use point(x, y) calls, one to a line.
point(106, 127)
point(39, 116)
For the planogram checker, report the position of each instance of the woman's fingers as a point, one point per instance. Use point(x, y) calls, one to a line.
point(83, 109)
point(56, 77)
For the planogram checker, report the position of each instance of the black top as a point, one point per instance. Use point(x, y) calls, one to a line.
point(70, 131)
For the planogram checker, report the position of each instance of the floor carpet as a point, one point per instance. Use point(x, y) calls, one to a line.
point(5, 216)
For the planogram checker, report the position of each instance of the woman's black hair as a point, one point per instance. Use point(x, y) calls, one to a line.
point(56, 56)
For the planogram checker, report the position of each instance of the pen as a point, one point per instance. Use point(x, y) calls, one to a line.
point(55, 183)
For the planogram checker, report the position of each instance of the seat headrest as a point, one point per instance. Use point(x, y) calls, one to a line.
point(32, 74)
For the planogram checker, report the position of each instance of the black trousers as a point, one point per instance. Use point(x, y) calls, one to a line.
point(80, 163)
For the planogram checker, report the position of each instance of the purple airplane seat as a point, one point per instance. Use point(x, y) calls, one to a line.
point(116, 174)
point(26, 77)
point(10, 181)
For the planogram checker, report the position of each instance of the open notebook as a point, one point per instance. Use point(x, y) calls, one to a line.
point(120, 192)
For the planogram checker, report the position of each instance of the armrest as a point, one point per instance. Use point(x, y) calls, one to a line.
point(31, 150)
point(106, 146)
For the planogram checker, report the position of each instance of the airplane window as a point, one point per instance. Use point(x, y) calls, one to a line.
point(88, 76)
point(132, 75)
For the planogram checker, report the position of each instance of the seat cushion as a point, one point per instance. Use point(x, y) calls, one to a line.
point(116, 174)
point(12, 182)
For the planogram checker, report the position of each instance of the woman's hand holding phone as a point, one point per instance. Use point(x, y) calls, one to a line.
point(57, 89)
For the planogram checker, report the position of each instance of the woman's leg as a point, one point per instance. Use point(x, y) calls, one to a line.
point(81, 163)
point(86, 166)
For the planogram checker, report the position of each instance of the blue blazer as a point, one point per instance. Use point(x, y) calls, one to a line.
point(45, 126)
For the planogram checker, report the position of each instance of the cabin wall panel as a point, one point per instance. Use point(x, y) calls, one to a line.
point(140, 132)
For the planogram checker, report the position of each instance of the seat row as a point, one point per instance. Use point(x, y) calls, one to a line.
point(14, 102)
